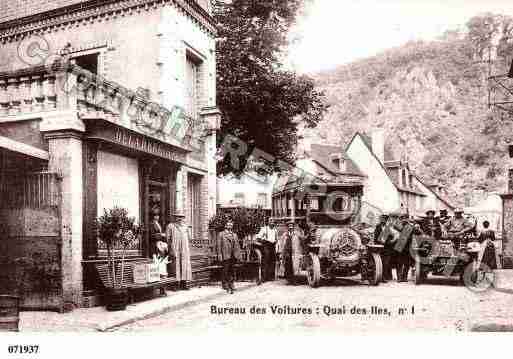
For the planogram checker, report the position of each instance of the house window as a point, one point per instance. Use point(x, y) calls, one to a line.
point(262, 200)
point(192, 86)
point(194, 205)
point(89, 62)
point(239, 199)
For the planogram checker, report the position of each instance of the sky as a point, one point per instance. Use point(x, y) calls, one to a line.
point(334, 32)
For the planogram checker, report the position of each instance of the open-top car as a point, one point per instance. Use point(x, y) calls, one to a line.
point(450, 256)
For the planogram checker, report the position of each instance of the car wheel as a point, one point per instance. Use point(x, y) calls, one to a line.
point(313, 270)
point(376, 266)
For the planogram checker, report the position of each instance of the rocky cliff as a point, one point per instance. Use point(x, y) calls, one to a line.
point(431, 98)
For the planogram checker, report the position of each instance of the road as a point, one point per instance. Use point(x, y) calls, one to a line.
point(348, 306)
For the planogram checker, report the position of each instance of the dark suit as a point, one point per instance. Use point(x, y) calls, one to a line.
point(155, 236)
point(402, 250)
point(229, 253)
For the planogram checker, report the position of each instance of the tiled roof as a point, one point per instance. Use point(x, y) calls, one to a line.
point(322, 155)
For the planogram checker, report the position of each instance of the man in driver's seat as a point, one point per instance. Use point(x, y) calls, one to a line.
point(458, 225)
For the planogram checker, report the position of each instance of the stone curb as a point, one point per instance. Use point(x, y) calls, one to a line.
point(109, 326)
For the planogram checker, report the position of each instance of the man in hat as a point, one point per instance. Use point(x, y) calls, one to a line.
point(268, 236)
point(178, 238)
point(443, 220)
point(402, 247)
point(379, 227)
point(388, 237)
point(228, 244)
point(292, 250)
point(430, 225)
point(458, 225)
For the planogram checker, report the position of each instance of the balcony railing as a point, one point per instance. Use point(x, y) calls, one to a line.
point(66, 86)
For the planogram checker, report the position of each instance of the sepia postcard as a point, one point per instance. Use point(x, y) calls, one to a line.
point(173, 166)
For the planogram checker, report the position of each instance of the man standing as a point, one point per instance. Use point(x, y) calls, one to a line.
point(228, 244)
point(291, 251)
point(156, 234)
point(379, 227)
point(443, 220)
point(268, 236)
point(178, 238)
point(388, 237)
point(402, 248)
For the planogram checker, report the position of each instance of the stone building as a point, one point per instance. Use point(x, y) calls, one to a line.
point(388, 183)
point(102, 104)
point(391, 185)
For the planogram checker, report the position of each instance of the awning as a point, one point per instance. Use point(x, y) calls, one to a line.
point(28, 150)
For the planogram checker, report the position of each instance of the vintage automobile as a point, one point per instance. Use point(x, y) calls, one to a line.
point(328, 243)
point(450, 256)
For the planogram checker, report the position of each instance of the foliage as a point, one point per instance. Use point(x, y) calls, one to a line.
point(261, 102)
point(246, 221)
point(431, 98)
point(118, 231)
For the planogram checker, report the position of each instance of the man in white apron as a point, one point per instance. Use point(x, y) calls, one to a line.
point(178, 239)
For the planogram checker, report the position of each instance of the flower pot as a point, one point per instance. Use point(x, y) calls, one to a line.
point(9, 313)
point(117, 299)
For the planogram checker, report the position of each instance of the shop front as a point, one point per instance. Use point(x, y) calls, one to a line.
point(123, 168)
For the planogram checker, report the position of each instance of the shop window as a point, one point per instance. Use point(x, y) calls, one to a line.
point(194, 207)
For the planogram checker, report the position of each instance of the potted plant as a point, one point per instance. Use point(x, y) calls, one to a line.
point(117, 231)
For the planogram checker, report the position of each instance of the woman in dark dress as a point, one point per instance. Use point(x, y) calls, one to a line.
point(487, 238)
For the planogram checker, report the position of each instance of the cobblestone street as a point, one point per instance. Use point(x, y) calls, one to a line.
point(438, 305)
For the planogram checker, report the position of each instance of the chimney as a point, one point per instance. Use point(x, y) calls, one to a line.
point(304, 147)
point(378, 144)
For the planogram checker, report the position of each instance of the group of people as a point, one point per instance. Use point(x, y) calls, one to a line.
point(274, 249)
point(171, 247)
point(396, 230)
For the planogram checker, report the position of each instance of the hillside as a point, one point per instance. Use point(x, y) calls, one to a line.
point(432, 100)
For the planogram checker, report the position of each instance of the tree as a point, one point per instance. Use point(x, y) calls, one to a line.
point(261, 101)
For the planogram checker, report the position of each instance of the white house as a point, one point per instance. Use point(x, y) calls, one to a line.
point(250, 190)
point(390, 184)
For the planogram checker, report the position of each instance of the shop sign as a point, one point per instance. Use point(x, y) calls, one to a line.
point(135, 141)
point(146, 273)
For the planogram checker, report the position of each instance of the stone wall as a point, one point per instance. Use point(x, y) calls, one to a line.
point(30, 251)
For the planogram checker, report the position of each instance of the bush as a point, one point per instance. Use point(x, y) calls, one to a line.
point(246, 221)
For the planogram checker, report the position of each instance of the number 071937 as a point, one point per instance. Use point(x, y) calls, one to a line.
point(23, 349)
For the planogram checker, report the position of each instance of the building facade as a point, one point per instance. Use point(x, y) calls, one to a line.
point(390, 184)
point(103, 104)
point(249, 190)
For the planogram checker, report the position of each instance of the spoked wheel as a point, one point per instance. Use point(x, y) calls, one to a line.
point(256, 257)
point(419, 275)
point(313, 269)
point(375, 269)
point(478, 279)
